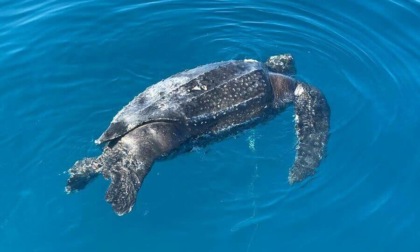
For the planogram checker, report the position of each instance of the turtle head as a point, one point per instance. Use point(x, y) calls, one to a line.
point(282, 64)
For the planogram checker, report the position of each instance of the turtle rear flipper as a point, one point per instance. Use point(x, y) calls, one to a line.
point(125, 184)
point(82, 172)
point(312, 122)
point(129, 161)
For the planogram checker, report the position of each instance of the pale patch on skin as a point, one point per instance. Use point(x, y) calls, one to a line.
point(299, 90)
point(249, 60)
point(130, 141)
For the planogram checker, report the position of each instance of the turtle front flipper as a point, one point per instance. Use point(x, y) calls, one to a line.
point(312, 123)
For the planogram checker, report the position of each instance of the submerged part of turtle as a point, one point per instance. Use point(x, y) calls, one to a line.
point(200, 106)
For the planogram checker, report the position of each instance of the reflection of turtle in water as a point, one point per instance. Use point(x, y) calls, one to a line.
point(197, 107)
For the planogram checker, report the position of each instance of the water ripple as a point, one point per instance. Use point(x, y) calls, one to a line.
point(73, 64)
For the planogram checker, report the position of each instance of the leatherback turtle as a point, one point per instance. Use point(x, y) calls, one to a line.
point(200, 106)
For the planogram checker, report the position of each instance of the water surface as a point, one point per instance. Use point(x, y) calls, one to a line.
point(66, 68)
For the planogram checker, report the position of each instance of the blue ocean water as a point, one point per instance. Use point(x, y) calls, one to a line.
point(66, 68)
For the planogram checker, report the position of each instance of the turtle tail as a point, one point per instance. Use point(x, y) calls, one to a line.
point(82, 172)
point(312, 123)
